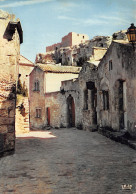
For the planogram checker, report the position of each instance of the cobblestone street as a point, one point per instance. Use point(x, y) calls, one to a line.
point(68, 161)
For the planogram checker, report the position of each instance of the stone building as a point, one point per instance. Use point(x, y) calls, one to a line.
point(116, 86)
point(103, 96)
point(69, 40)
point(75, 52)
point(11, 36)
point(45, 83)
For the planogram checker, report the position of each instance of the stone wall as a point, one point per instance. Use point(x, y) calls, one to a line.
point(53, 109)
point(119, 81)
point(70, 89)
point(9, 59)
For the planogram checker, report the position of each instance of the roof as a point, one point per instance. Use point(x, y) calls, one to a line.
point(23, 60)
point(58, 69)
point(94, 62)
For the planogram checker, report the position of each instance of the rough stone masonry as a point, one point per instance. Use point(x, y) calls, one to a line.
point(10, 39)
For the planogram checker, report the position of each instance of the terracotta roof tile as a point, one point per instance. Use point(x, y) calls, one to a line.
point(58, 69)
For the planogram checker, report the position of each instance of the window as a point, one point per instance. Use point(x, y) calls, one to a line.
point(36, 86)
point(105, 100)
point(110, 65)
point(86, 99)
point(38, 112)
point(83, 37)
point(94, 98)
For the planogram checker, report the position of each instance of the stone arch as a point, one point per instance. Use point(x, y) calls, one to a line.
point(70, 111)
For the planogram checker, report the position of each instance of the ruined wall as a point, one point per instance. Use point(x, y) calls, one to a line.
point(69, 40)
point(53, 109)
point(119, 81)
point(87, 77)
point(53, 47)
point(71, 89)
point(79, 38)
point(9, 60)
point(53, 80)
point(37, 99)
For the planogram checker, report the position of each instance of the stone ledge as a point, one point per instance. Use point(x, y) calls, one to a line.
point(118, 137)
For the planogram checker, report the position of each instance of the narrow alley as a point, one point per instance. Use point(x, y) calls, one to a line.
point(72, 162)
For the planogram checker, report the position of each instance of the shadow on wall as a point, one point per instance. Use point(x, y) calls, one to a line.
point(7, 117)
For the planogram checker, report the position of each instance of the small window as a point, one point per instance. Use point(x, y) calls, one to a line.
point(105, 100)
point(36, 86)
point(83, 37)
point(38, 113)
point(110, 65)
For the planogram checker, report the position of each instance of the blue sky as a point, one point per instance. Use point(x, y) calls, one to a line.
point(45, 22)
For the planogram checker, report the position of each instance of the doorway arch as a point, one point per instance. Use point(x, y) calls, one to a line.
point(70, 111)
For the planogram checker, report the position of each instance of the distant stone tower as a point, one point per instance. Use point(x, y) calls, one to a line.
point(11, 37)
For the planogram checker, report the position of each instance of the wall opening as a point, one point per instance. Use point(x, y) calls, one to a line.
point(94, 105)
point(122, 103)
point(91, 86)
point(71, 111)
point(48, 116)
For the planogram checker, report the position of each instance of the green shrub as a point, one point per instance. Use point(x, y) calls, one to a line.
point(22, 89)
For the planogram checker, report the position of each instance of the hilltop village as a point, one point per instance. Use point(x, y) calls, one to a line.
point(82, 83)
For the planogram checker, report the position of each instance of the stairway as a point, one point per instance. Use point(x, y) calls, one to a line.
point(22, 115)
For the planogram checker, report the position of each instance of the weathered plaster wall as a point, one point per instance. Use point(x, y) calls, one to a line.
point(37, 99)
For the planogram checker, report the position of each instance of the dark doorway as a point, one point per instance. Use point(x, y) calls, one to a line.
point(94, 105)
point(71, 111)
point(48, 116)
point(91, 86)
